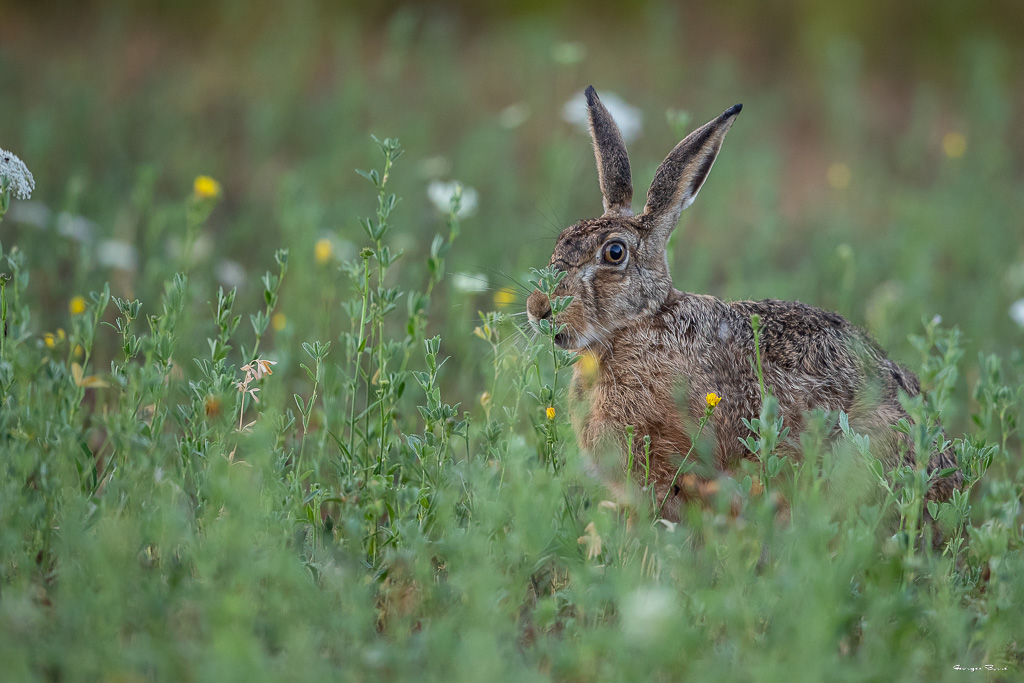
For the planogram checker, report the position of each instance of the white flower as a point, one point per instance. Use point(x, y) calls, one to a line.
point(32, 213)
point(514, 115)
point(15, 176)
point(646, 612)
point(441, 193)
point(230, 273)
point(1017, 312)
point(116, 254)
point(470, 282)
point(78, 228)
point(629, 118)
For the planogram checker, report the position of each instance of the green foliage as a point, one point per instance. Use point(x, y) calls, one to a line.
point(358, 535)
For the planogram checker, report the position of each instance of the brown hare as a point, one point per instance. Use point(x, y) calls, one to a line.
point(652, 341)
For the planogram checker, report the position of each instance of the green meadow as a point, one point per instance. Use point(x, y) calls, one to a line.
point(270, 408)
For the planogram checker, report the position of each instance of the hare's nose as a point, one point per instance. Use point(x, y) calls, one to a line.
point(538, 307)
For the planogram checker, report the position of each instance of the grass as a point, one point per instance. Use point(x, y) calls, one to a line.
point(399, 494)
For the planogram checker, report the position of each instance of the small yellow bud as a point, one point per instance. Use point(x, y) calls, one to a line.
point(278, 321)
point(323, 250)
point(206, 187)
point(551, 412)
point(76, 305)
point(712, 399)
point(485, 399)
point(50, 340)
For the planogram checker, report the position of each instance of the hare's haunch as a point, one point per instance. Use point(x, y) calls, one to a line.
point(653, 342)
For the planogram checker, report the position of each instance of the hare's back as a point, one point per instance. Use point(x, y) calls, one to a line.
point(802, 339)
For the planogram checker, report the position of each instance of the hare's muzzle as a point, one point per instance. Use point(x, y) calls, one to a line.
point(538, 307)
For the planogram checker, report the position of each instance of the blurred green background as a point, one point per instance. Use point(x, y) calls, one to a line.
point(876, 169)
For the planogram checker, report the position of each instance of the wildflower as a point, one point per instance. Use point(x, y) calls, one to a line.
point(470, 282)
point(323, 250)
point(206, 187)
point(504, 297)
point(230, 273)
point(712, 399)
point(441, 195)
point(76, 305)
point(244, 388)
point(75, 227)
point(550, 412)
point(647, 612)
point(116, 254)
point(51, 339)
point(258, 368)
point(485, 399)
point(15, 176)
point(87, 381)
point(1017, 312)
point(483, 331)
point(514, 115)
point(592, 540)
point(629, 118)
point(954, 144)
point(838, 175)
point(278, 321)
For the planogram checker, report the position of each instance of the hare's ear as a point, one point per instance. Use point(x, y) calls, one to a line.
point(612, 161)
point(681, 175)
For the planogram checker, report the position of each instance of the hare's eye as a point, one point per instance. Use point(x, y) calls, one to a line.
point(614, 252)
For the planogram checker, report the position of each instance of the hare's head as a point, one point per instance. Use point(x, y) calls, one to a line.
point(616, 265)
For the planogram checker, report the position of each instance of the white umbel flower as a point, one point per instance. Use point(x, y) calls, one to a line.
point(628, 117)
point(441, 193)
point(15, 176)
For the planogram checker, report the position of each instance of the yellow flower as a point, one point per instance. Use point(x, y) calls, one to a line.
point(551, 412)
point(50, 340)
point(504, 297)
point(712, 399)
point(76, 305)
point(954, 144)
point(206, 187)
point(278, 321)
point(323, 250)
point(485, 399)
point(838, 175)
point(87, 381)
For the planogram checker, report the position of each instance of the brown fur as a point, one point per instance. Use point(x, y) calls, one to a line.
point(653, 341)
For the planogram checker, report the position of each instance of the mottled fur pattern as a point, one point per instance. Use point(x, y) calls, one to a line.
point(661, 351)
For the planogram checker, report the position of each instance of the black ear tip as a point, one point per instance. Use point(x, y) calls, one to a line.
point(732, 111)
point(591, 94)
